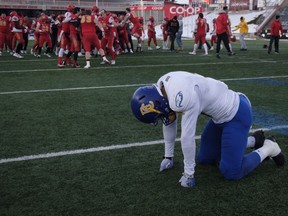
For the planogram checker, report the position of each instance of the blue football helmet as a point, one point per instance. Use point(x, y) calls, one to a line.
point(149, 106)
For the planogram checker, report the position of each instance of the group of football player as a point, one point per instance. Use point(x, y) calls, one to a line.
point(77, 31)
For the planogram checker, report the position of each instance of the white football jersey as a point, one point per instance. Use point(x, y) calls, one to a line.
point(192, 94)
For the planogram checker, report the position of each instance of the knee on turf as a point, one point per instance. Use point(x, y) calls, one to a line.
point(230, 173)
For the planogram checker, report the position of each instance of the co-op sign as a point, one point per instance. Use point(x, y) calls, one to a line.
point(179, 10)
point(169, 10)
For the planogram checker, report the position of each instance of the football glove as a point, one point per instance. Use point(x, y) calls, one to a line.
point(187, 181)
point(167, 163)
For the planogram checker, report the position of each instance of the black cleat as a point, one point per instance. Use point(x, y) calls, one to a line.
point(259, 138)
point(280, 158)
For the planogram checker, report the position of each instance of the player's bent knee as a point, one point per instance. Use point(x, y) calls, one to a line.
point(230, 173)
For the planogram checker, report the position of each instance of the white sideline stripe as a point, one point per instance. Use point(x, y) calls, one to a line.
point(124, 86)
point(120, 57)
point(70, 89)
point(107, 148)
point(128, 66)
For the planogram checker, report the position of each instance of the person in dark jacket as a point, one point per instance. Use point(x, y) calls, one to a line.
point(172, 29)
point(276, 31)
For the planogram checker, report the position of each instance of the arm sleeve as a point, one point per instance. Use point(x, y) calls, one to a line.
point(170, 133)
point(236, 27)
point(188, 143)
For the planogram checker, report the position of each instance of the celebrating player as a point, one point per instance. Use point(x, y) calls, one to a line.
point(123, 35)
point(200, 34)
point(165, 33)
point(151, 33)
point(17, 33)
point(137, 29)
point(43, 28)
point(89, 36)
point(64, 38)
point(5, 35)
point(108, 25)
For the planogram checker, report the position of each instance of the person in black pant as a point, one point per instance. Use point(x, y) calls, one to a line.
point(172, 29)
point(54, 32)
point(27, 27)
point(223, 31)
point(276, 31)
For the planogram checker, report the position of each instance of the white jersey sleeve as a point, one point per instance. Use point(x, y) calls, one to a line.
point(14, 19)
point(67, 18)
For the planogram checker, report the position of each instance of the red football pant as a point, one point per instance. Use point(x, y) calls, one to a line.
point(5, 38)
point(108, 40)
point(90, 40)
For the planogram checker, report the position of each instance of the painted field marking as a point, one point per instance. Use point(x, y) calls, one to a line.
point(125, 86)
point(127, 66)
point(106, 148)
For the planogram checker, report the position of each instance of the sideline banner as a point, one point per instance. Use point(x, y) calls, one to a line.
point(171, 10)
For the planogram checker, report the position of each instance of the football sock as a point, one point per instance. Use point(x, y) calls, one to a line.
point(60, 59)
point(61, 52)
point(195, 47)
point(264, 151)
point(205, 48)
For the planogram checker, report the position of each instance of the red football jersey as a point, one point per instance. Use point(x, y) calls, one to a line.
point(88, 24)
point(133, 19)
point(201, 25)
point(5, 24)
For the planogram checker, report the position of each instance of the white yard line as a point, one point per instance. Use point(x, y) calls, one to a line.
point(106, 148)
point(123, 86)
point(123, 67)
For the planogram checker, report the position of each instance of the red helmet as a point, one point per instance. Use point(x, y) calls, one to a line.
point(151, 18)
point(13, 13)
point(95, 9)
point(44, 18)
point(70, 8)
